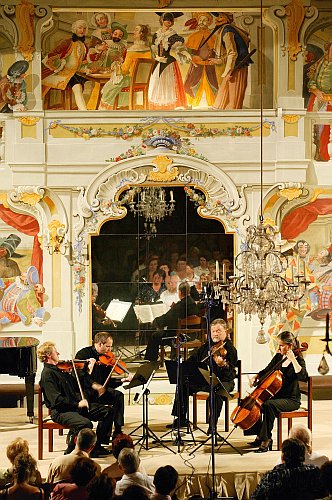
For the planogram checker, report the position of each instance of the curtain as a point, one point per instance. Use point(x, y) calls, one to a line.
point(297, 221)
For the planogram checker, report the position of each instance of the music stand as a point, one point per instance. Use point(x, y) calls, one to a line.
point(220, 390)
point(143, 377)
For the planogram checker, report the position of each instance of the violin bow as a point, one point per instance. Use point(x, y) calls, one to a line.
point(77, 378)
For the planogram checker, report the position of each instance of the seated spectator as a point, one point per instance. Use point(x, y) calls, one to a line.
point(60, 468)
point(326, 479)
point(166, 267)
point(191, 277)
point(171, 295)
point(181, 268)
point(101, 487)
point(203, 266)
point(19, 445)
point(24, 468)
point(129, 463)
point(135, 492)
point(291, 480)
point(150, 292)
point(121, 441)
point(165, 481)
point(302, 433)
point(82, 473)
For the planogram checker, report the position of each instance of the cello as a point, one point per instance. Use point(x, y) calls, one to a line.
point(248, 412)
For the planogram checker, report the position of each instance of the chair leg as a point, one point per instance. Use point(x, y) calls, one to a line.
point(50, 440)
point(194, 411)
point(162, 355)
point(279, 433)
point(289, 424)
point(40, 441)
point(226, 415)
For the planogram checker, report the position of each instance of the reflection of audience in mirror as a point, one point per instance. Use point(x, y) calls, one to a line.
point(181, 268)
point(150, 292)
point(193, 255)
point(212, 269)
point(191, 277)
point(171, 296)
point(203, 265)
point(146, 273)
point(166, 267)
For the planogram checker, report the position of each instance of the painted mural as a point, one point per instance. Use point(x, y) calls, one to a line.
point(172, 60)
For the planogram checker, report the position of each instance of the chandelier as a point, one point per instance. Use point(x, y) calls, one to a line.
point(149, 203)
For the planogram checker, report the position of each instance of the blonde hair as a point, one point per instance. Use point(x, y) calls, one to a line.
point(45, 350)
point(303, 434)
point(19, 445)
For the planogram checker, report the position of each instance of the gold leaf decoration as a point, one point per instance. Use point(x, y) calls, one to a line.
point(291, 193)
point(30, 198)
point(163, 170)
point(29, 120)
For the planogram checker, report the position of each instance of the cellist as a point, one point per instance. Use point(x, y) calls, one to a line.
point(102, 345)
point(288, 398)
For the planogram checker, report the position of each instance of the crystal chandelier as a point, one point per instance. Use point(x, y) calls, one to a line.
point(150, 203)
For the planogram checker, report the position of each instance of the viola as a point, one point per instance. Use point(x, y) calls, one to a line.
point(218, 349)
point(109, 359)
point(102, 316)
point(248, 412)
point(67, 366)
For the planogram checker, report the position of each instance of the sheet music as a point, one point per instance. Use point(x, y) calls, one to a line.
point(147, 312)
point(117, 310)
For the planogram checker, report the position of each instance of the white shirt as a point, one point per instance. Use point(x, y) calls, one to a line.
point(169, 298)
point(135, 478)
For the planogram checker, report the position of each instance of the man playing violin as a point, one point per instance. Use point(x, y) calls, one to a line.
point(224, 359)
point(288, 398)
point(68, 407)
point(98, 373)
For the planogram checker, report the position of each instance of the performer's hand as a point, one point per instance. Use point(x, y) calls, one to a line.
point(129, 378)
point(219, 361)
point(290, 355)
point(253, 380)
point(99, 388)
point(91, 364)
point(83, 404)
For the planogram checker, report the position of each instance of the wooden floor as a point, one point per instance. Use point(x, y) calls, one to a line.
point(14, 423)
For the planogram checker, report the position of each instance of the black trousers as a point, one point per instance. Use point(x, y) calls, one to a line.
point(116, 400)
point(76, 420)
point(270, 409)
point(156, 340)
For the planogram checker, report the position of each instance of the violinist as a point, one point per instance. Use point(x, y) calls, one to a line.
point(224, 363)
point(288, 398)
point(100, 321)
point(98, 373)
point(69, 407)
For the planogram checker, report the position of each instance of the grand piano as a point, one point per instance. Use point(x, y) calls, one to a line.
point(18, 356)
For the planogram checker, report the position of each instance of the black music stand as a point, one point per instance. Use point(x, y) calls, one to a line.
point(218, 389)
point(143, 377)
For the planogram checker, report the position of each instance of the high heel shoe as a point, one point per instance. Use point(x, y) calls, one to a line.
point(263, 449)
point(256, 443)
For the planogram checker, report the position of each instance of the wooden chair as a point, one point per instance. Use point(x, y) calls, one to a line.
point(139, 83)
point(65, 102)
point(204, 396)
point(304, 412)
point(46, 423)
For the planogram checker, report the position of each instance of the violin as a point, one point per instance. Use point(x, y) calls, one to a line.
point(67, 366)
point(109, 359)
point(218, 349)
point(102, 316)
point(248, 412)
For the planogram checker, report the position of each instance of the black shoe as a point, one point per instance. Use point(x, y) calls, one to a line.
point(264, 449)
point(174, 424)
point(100, 451)
point(256, 443)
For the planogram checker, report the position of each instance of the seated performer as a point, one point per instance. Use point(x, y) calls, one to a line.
point(60, 392)
point(185, 307)
point(223, 368)
point(102, 345)
point(288, 398)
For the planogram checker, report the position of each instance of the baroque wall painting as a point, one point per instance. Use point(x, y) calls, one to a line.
point(21, 289)
point(147, 60)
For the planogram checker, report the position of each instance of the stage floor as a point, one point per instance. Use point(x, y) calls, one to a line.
point(235, 474)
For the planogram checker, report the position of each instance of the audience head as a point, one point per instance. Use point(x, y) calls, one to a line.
point(184, 289)
point(165, 479)
point(121, 441)
point(86, 439)
point(24, 467)
point(158, 277)
point(19, 445)
point(326, 476)
point(101, 487)
point(173, 283)
point(302, 433)
point(292, 452)
point(128, 460)
point(83, 471)
point(135, 492)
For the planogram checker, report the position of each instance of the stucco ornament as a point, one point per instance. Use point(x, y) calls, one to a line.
point(25, 21)
point(291, 193)
point(295, 16)
point(164, 171)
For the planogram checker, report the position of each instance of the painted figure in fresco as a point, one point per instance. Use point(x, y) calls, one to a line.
point(201, 76)
point(64, 62)
point(8, 267)
point(13, 94)
point(166, 89)
point(22, 299)
point(110, 54)
point(139, 49)
point(321, 296)
point(312, 54)
point(102, 34)
point(320, 86)
point(231, 47)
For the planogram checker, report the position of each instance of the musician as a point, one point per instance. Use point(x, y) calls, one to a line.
point(98, 373)
point(185, 307)
point(223, 362)
point(68, 407)
point(288, 398)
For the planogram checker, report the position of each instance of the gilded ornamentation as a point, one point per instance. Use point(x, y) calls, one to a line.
point(29, 120)
point(291, 118)
point(164, 3)
point(3, 200)
point(295, 16)
point(24, 16)
point(268, 221)
point(164, 170)
point(291, 193)
point(30, 198)
point(56, 237)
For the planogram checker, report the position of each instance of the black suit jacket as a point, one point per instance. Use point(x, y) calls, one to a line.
point(185, 307)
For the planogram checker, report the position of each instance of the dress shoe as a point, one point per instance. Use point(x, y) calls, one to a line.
point(174, 424)
point(265, 448)
point(100, 451)
point(256, 443)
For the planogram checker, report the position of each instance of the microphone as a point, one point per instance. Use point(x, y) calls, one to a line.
point(182, 338)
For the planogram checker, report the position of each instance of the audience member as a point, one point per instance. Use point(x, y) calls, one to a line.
point(150, 292)
point(135, 492)
point(191, 277)
point(302, 433)
point(82, 472)
point(326, 479)
point(121, 441)
point(181, 268)
point(24, 468)
point(19, 445)
point(203, 266)
point(291, 480)
point(171, 296)
point(165, 481)
point(60, 468)
point(101, 487)
point(129, 463)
